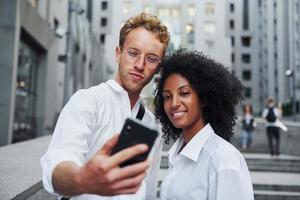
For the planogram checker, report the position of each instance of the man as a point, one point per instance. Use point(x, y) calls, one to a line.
point(271, 114)
point(78, 163)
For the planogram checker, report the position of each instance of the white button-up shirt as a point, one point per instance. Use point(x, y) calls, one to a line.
point(207, 168)
point(90, 118)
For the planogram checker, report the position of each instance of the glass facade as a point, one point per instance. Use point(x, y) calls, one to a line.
point(25, 101)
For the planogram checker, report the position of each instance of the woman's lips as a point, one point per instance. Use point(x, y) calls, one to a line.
point(177, 115)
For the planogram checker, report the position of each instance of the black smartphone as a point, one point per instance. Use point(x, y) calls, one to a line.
point(134, 132)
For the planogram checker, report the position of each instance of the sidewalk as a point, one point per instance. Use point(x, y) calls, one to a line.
point(20, 171)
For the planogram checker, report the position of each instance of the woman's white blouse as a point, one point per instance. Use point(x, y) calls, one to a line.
point(207, 168)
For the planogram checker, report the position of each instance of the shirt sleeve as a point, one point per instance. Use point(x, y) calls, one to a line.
point(265, 112)
point(152, 177)
point(70, 138)
point(231, 184)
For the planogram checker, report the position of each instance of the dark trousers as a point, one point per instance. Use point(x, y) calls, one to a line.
point(273, 139)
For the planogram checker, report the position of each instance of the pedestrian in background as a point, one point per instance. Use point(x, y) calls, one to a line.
point(248, 126)
point(78, 163)
point(195, 103)
point(271, 114)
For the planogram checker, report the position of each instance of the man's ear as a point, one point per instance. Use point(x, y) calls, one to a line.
point(118, 52)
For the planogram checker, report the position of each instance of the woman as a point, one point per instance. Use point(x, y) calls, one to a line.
point(248, 125)
point(195, 103)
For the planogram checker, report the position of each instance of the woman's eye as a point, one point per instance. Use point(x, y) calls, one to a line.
point(184, 93)
point(165, 98)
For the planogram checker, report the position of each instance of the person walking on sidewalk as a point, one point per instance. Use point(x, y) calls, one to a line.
point(78, 163)
point(271, 115)
point(248, 126)
point(195, 103)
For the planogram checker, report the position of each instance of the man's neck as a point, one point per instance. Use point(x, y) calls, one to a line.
point(133, 98)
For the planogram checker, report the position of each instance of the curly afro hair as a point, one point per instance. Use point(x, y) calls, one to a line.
point(218, 89)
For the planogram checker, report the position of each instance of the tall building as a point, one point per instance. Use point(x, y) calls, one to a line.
point(197, 25)
point(210, 30)
point(107, 19)
point(265, 45)
point(242, 23)
point(33, 57)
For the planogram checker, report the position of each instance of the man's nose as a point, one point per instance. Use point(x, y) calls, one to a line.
point(140, 62)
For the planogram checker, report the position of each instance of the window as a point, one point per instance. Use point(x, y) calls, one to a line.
point(210, 43)
point(246, 41)
point(164, 12)
point(209, 8)
point(190, 37)
point(56, 23)
point(232, 41)
point(127, 7)
point(103, 21)
point(246, 15)
point(247, 92)
point(147, 8)
point(246, 75)
point(231, 7)
point(33, 3)
point(231, 24)
point(246, 58)
point(102, 38)
point(209, 27)
point(232, 58)
point(189, 28)
point(175, 12)
point(104, 5)
point(191, 10)
point(24, 125)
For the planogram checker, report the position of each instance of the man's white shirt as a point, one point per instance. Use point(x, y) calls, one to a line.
point(90, 118)
point(277, 114)
point(209, 168)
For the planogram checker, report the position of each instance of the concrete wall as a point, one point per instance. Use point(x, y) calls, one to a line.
point(9, 38)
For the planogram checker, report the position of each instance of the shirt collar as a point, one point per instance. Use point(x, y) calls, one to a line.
point(116, 86)
point(195, 145)
point(119, 89)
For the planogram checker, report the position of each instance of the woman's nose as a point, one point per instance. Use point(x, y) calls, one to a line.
point(175, 102)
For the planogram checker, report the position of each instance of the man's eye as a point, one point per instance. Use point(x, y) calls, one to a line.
point(152, 59)
point(133, 53)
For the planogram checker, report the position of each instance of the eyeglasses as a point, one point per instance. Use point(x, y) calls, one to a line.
point(134, 55)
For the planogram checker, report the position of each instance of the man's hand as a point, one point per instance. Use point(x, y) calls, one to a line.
point(102, 174)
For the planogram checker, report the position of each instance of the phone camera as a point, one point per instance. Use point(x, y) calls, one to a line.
point(128, 127)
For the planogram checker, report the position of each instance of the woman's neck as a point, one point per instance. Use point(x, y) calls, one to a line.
point(188, 134)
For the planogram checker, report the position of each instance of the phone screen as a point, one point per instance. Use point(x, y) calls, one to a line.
point(133, 132)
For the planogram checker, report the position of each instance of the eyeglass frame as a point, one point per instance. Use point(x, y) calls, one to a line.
point(147, 58)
